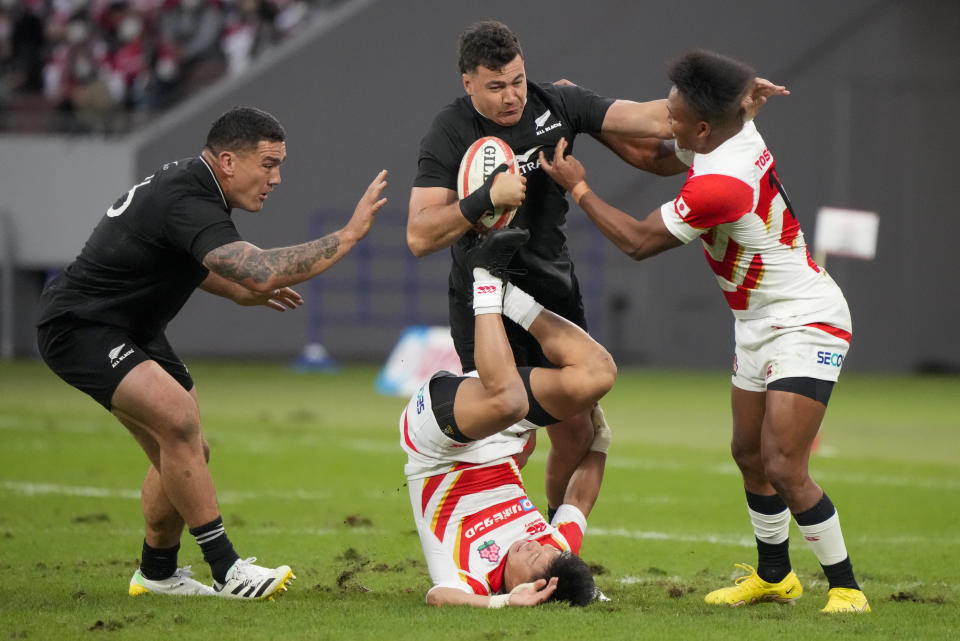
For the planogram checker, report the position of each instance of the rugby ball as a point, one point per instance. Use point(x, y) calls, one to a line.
point(482, 157)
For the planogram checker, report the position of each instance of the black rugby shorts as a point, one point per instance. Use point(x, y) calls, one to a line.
point(95, 358)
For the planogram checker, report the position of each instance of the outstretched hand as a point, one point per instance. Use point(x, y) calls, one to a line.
point(762, 89)
point(567, 171)
point(535, 594)
point(371, 203)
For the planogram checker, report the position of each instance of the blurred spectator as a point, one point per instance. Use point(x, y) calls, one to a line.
point(21, 50)
point(102, 66)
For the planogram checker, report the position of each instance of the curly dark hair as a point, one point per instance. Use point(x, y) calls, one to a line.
point(575, 583)
point(489, 43)
point(242, 129)
point(712, 84)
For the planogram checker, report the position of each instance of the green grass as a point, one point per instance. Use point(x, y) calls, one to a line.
point(309, 472)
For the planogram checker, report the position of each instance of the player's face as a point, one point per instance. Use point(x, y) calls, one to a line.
point(255, 174)
point(499, 95)
point(525, 560)
point(683, 121)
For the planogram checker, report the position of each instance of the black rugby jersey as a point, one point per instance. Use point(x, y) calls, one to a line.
point(552, 112)
point(144, 258)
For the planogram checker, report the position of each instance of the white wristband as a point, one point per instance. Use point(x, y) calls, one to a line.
point(519, 306)
point(487, 293)
point(499, 601)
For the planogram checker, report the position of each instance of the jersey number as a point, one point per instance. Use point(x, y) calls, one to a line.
point(122, 203)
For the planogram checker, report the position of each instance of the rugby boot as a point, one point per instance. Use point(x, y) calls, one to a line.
point(841, 600)
point(178, 584)
point(245, 580)
point(493, 251)
point(751, 589)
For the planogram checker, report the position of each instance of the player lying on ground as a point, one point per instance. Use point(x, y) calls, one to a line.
point(792, 322)
point(485, 543)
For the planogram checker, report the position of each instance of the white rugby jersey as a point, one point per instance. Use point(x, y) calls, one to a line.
point(469, 517)
point(734, 202)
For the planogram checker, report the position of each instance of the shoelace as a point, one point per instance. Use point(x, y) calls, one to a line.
point(748, 568)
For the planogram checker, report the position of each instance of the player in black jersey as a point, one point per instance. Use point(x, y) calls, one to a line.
point(102, 323)
point(500, 101)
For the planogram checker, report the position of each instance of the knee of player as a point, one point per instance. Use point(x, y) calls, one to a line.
point(184, 426)
point(602, 372)
point(782, 472)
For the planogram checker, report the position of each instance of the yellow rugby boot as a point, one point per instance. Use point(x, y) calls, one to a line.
point(841, 600)
point(752, 589)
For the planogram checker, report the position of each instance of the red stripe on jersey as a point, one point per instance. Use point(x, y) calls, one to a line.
point(428, 489)
point(731, 258)
point(713, 200)
point(740, 299)
point(765, 195)
point(406, 434)
point(433, 483)
point(476, 586)
point(469, 482)
point(842, 334)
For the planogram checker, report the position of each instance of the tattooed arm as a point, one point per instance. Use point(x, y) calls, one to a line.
point(264, 270)
point(280, 299)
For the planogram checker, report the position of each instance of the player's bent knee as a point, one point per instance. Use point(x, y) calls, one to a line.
point(182, 427)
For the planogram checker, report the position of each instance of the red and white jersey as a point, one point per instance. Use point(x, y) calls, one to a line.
point(468, 517)
point(734, 202)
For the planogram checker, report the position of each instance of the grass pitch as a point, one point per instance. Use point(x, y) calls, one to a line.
point(309, 473)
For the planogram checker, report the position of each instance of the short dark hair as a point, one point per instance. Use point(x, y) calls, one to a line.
point(712, 84)
point(575, 583)
point(242, 129)
point(489, 43)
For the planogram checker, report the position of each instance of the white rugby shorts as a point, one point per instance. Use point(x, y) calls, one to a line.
point(766, 353)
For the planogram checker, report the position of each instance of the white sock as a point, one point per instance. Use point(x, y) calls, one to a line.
point(519, 306)
point(487, 292)
point(771, 528)
point(826, 540)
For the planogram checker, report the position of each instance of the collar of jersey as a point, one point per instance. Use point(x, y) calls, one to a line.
point(215, 182)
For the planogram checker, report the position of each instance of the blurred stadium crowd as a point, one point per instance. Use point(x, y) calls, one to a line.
point(105, 66)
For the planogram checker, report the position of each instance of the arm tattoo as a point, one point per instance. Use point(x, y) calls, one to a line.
point(241, 260)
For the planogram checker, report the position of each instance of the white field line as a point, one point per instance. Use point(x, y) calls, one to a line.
point(730, 469)
point(228, 496)
point(748, 541)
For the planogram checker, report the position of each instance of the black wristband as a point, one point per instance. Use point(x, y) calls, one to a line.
point(478, 203)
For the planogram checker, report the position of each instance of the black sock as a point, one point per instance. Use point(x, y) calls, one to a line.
point(551, 511)
point(217, 549)
point(840, 575)
point(773, 559)
point(157, 564)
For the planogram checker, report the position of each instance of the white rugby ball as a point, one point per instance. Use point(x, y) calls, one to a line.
point(482, 157)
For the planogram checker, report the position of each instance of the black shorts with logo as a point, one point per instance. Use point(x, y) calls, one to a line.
point(94, 358)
